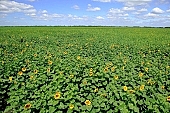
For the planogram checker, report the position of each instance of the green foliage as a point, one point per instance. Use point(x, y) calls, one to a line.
point(81, 69)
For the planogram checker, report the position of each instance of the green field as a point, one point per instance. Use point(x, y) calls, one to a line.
point(84, 70)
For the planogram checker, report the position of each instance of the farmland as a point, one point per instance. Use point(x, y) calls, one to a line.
point(84, 69)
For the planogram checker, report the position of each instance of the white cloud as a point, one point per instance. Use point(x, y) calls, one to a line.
point(102, 0)
point(90, 8)
point(99, 18)
point(44, 11)
point(151, 15)
point(168, 10)
point(128, 8)
point(76, 7)
point(116, 13)
point(134, 2)
point(157, 11)
point(142, 10)
point(12, 6)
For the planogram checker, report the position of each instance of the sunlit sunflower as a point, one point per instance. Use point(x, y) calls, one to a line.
point(87, 102)
point(20, 73)
point(140, 74)
point(163, 87)
point(48, 70)
point(50, 62)
point(31, 77)
point(106, 69)
point(57, 95)
point(146, 69)
point(168, 98)
point(131, 91)
point(84, 82)
point(27, 106)
point(78, 57)
point(96, 90)
point(141, 87)
point(71, 76)
point(71, 106)
point(35, 71)
point(35, 55)
point(116, 77)
point(10, 79)
point(91, 73)
point(24, 69)
point(125, 88)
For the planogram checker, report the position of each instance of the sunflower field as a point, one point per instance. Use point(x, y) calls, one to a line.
point(84, 70)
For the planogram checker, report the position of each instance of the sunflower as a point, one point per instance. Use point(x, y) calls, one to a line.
point(57, 95)
point(163, 87)
point(116, 77)
point(71, 106)
point(50, 62)
point(35, 71)
point(91, 73)
point(71, 76)
point(35, 55)
point(10, 79)
point(87, 102)
point(78, 57)
point(48, 70)
point(31, 77)
point(146, 69)
point(24, 69)
point(131, 91)
point(125, 88)
point(106, 69)
point(168, 98)
point(27, 106)
point(141, 87)
point(20, 73)
point(140, 74)
point(96, 90)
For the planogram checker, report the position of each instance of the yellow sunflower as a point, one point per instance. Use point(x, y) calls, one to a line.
point(116, 77)
point(168, 98)
point(141, 87)
point(87, 102)
point(57, 95)
point(10, 79)
point(50, 62)
point(71, 106)
point(24, 69)
point(35, 71)
point(20, 73)
point(125, 88)
point(27, 106)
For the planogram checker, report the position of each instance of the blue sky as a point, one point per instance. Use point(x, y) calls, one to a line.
point(85, 12)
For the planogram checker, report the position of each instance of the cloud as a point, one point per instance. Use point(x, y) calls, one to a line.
point(168, 10)
point(134, 2)
point(90, 8)
point(142, 10)
point(151, 15)
point(128, 8)
point(116, 13)
point(12, 6)
point(102, 0)
point(157, 11)
point(76, 7)
point(99, 18)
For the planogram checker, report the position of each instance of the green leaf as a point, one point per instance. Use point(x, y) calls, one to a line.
point(52, 109)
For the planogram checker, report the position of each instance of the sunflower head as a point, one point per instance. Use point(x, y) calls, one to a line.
point(87, 102)
point(71, 106)
point(10, 79)
point(24, 69)
point(27, 106)
point(35, 71)
point(141, 87)
point(168, 98)
point(50, 62)
point(57, 95)
point(20, 73)
point(125, 88)
point(116, 77)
